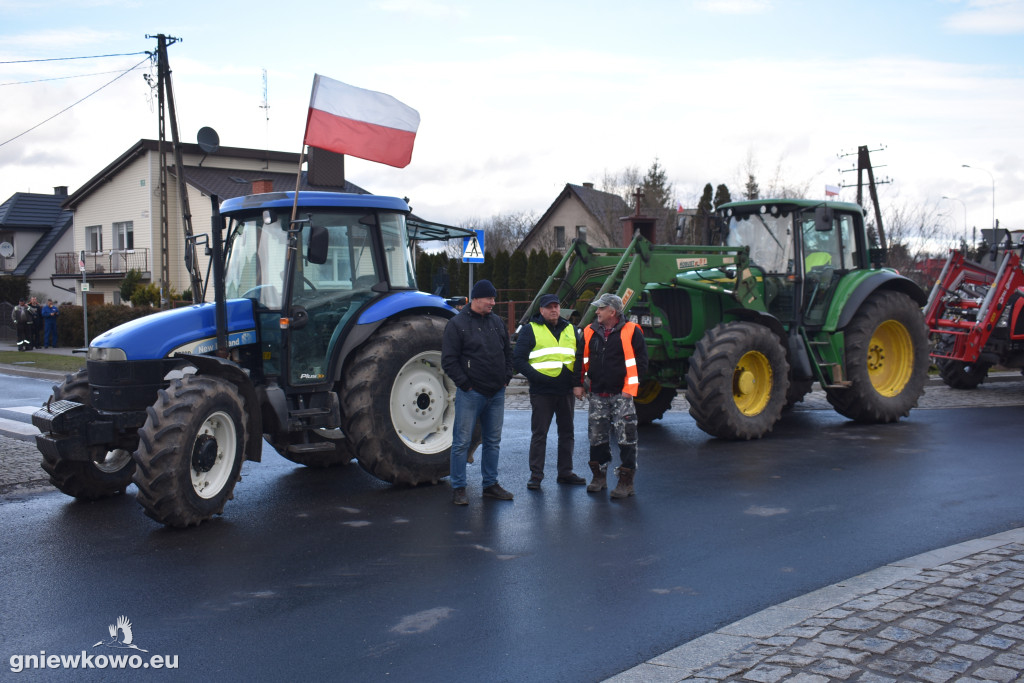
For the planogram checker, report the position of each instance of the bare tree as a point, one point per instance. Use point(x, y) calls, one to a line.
point(915, 233)
point(502, 232)
point(623, 183)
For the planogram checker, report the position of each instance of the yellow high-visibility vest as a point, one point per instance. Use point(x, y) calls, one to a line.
point(550, 355)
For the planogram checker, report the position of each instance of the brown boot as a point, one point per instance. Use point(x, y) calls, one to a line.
point(624, 489)
point(600, 482)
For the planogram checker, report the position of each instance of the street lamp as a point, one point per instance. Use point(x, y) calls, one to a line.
point(993, 193)
point(954, 199)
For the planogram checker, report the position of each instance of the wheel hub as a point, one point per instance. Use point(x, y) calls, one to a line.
point(423, 404)
point(204, 453)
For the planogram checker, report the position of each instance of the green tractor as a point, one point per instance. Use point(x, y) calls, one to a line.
point(796, 295)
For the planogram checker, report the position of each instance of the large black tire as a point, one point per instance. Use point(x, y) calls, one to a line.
point(342, 453)
point(652, 401)
point(886, 360)
point(107, 473)
point(738, 381)
point(798, 388)
point(958, 374)
point(399, 405)
point(191, 450)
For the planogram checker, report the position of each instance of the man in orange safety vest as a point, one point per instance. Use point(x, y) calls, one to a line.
point(611, 359)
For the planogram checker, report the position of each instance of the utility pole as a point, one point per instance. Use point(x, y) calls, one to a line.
point(864, 164)
point(165, 99)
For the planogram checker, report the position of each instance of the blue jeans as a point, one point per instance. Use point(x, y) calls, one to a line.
point(471, 406)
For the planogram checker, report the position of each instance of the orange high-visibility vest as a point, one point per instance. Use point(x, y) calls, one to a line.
point(626, 335)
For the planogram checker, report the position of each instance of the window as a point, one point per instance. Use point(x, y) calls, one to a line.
point(124, 238)
point(94, 238)
point(581, 233)
point(559, 237)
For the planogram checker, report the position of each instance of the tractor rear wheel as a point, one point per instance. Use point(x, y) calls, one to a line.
point(191, 450)
point(399, 405)
point(107, 473)
point(886, 360)
point(652, 401)
point(737, 381)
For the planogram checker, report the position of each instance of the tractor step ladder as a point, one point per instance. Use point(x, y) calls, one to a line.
point(836, 369)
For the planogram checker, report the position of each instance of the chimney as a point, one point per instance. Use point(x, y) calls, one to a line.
point(589, 186)
point(61, 191)
point(262, 185)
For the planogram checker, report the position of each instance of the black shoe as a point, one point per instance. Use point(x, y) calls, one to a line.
point(533, 484)
point(572, 478)
point(459, 496)
point(495, 491)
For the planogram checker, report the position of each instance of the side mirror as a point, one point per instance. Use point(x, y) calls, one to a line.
point(823, 217)
point(319, 240)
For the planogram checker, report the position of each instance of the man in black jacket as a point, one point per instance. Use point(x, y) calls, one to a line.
point(545, 354)
point(477, 355)
point(613, 356)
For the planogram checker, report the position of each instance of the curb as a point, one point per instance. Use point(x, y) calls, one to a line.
point(702, 652)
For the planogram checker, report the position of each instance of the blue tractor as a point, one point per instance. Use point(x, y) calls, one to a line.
point(318, 341)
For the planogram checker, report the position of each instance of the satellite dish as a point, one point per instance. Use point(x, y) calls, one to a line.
point(6, 249)
point(209, 141)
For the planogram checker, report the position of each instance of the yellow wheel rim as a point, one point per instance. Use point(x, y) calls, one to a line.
point(890, 358)
point(752, 383)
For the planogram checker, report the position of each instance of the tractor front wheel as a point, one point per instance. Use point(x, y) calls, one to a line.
point(399, 405)
point(886, 360)
point(956, 373)
point(738, 381)
point(652, 401)
point(191, 450)
point(106, 473)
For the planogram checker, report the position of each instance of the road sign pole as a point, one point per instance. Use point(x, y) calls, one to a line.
point(470, 290)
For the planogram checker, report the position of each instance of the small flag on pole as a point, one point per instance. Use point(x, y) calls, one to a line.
point(831, 190)
point(680, 209)
point(362, 123)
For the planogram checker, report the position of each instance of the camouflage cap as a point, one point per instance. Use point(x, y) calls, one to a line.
point(608, 299)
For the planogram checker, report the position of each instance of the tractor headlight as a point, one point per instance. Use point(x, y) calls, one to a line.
point(106, 354)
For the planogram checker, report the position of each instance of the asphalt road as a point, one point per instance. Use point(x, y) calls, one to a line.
point(331, 574)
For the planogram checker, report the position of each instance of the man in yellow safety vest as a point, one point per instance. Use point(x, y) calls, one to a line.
point(545, 354)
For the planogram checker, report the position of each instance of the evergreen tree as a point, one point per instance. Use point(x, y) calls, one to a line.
point(536, 271)
point(517, 264)
point(701, 233)
point(499, 270)
point(751, 191)
point(424, 271)
point(659, 202)
point(722, 196)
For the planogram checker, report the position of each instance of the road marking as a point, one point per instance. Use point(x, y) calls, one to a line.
point(17, 429)
point(27, 410)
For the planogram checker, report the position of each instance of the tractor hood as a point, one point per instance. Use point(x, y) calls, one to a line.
point(191, 330)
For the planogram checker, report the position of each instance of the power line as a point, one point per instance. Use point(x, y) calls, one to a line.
point(63, 59)
point(62, 78)
point(125, 73)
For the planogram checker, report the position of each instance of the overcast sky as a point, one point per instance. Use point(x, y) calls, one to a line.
point(516, 99)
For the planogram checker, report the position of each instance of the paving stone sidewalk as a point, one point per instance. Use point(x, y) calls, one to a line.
point(955, 614)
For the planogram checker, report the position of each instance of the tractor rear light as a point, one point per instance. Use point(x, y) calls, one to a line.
point(284, 323)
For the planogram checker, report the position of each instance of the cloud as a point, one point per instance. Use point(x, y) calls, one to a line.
point(989, 17)
point(733, 6)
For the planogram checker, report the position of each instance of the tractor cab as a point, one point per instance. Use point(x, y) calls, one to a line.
point(801, 248)
point(348, 252)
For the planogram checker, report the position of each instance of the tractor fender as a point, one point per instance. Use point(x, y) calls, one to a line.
point(230, 371)
point(400, 304)
point(799, 362)
point(885, 279)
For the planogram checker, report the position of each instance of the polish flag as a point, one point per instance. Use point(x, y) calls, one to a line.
point(831, 190)
point(362, 123)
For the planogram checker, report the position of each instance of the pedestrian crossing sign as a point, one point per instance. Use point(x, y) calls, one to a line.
point(473, 248)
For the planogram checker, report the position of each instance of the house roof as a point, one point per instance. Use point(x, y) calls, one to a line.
point(227, 183)
point(605, 207)
point(30, 212)
point(27, 210)
point(143, 146)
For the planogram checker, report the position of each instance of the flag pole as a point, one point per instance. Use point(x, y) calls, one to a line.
point(298, 183)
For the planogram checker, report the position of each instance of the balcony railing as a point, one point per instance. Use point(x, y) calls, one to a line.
point(113, 262)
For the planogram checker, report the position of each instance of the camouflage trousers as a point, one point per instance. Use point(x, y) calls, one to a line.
point(607, 414)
